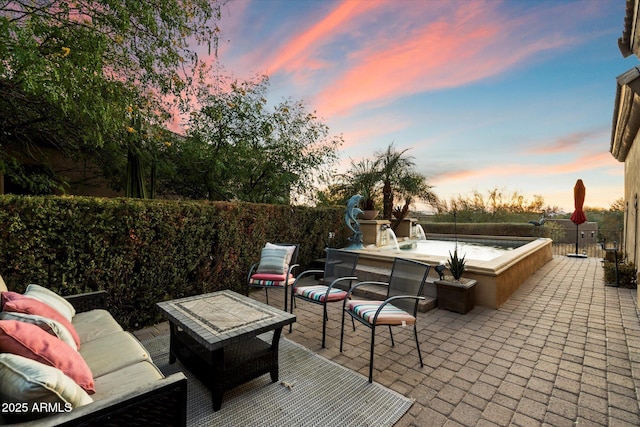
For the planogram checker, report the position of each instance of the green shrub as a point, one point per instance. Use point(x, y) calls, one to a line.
point(627, 274)
point(145, 251)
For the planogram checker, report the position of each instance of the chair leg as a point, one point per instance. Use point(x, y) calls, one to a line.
point(266, 293)
point(286, 308)
point(324, 324)
point(373, 338)
point(415, 333)
point(342, 327)
point(291, 308)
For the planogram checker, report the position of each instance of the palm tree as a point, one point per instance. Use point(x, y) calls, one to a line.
point(363, 178)
point(399, 177)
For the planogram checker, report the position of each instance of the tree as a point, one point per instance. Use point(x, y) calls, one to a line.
point(69, 71)
point(239, 148)
point(362, 178)
point(390, 173)
point(497, 206)
point(399, 177)
point(611, 224)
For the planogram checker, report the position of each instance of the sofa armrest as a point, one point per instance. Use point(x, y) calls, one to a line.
point(161, 402)
point(88, 301)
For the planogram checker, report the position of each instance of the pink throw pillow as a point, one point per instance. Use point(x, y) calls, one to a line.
point(28, 305)
point(8, 296)
point(27, 340)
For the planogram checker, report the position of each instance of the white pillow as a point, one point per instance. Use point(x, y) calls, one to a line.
point(52, 299)
point(290, 250)
point(50, 326)
point(28, 381)
point(3, 286)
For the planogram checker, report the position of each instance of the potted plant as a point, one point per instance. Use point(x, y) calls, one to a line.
point(369, 207)
point(455, 293)
point(363, 178)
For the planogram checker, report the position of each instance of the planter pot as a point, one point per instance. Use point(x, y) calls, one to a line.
point(456, 296)
point(369, 215)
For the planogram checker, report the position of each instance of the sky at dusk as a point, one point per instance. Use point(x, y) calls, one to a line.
point(517, 94)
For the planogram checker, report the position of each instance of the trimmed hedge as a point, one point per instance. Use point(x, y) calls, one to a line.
point(145, 251)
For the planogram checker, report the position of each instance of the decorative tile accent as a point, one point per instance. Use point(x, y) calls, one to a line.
point(223, 313)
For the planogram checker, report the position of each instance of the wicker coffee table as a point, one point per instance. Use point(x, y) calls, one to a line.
point(215, 336)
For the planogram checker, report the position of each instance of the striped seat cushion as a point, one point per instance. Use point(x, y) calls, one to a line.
point(264, 279)
point(390, 315)
point(319, 293)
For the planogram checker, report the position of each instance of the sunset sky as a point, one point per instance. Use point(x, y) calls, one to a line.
point(510, 94)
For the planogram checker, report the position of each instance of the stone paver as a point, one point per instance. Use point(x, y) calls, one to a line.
point(563, 350)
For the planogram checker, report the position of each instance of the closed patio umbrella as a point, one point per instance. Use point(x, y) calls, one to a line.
point(578, 217)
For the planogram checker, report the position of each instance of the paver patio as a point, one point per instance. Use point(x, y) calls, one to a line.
point(564, 350)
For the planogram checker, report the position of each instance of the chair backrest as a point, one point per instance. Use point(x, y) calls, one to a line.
point(294, 256)
point(339, 263)
point(407, 278)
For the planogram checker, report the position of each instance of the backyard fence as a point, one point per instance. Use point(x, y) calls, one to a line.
point(592, 244)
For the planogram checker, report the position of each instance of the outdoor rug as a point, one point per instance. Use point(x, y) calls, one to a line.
point(311, 391)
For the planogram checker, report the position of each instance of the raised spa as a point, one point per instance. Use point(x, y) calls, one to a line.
point(499, 272)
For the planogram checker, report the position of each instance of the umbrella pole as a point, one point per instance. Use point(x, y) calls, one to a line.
point(577, 239)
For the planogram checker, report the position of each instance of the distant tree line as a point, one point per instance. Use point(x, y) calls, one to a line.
point(497, 205)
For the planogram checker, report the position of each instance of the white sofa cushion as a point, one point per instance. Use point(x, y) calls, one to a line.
point(126, 379)
point(26, 380)
point(112, 352)
point(94, 324)
point(3, 286)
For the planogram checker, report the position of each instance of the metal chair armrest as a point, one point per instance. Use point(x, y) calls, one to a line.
point(390, 299)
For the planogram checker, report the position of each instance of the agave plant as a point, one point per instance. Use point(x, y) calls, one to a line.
point(456, 265)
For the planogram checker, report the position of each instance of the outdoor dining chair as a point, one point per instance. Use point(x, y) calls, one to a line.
point(400, 308)
point(337, 276)
point(275, 269)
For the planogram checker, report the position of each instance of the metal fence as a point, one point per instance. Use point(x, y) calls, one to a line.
point(590, 243)
point(594, 250)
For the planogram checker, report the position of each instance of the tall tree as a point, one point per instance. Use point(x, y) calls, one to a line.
point(70, 69)
point(238, 147)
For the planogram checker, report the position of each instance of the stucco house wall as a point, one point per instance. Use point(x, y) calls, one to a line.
point(631, 195)
point(625, 146)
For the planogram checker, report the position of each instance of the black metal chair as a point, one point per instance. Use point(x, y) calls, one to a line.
point(339, 267)
point(273, 272)
point(400, 308)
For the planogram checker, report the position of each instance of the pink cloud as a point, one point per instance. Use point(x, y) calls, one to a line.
point(581, 164)
point(298, 52)
point(570, 142)
point(470, 44)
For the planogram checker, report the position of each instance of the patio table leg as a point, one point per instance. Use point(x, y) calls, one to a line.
point(275, 373)
point(216, 380)
point(173, 330)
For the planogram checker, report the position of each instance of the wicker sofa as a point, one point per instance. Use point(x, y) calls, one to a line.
point(128, 388)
